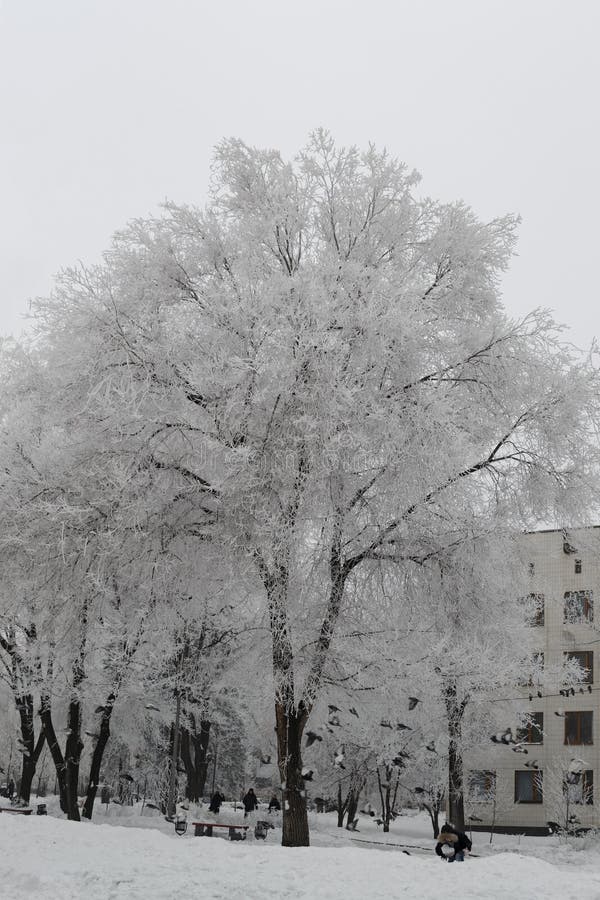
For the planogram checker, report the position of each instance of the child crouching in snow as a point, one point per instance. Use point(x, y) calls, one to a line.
point(452, 844)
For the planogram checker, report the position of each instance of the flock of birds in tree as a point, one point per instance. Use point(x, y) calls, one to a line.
point(505, 737)
point(333, 721)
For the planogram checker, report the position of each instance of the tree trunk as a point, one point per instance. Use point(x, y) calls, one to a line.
point(289, 726)
point(55, 751)
point(23, 675)
point(395, 797)
point(352, 807)
point(433, 810)
point(27, 778)
point(96, 764)
point(341, 806)
point(200, 741)
point(385, 799)
point(196, 766)
point(435, 822)
point(25, 708)
point(456, 802)
point(358, 780)
point(73, 750)
point(173, 779)
point(185, 743)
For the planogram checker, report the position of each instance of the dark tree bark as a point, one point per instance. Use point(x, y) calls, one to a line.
point(435, 822)
point(24, 706)
point(341, 806)
point(352, 807)
point(290, 726)
point(73, 749)
point(194, 749)
point(188, 764)
point(55, 751)
point(200, 742)
point(97, 756)
point(23, 675)
point(290, 718)
point(74, 744)
point(349, 807)
point(384, 793)
point(32, 749)
point(454, 713)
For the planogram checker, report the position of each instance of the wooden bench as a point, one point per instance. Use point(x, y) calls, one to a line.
point(205, 829)
point(19, 810)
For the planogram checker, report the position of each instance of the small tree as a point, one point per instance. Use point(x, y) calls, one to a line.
point(430, 791)
point(567, 786)
point(482, 793)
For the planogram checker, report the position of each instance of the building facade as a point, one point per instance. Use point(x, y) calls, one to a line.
point(545, 765)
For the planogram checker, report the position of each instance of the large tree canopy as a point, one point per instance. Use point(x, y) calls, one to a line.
point(316, 372)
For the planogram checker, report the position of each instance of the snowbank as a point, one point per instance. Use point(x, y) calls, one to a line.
point(60, 860)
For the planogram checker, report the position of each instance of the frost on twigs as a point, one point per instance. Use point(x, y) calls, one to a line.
point(315, 377)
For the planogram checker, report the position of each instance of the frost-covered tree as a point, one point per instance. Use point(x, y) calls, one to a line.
point(78, 568)
point(477, 644)
point(316, 371)
point(567, 788)
point(20, 670)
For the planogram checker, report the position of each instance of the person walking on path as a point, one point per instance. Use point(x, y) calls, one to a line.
point(250, 802)
point(215, 802)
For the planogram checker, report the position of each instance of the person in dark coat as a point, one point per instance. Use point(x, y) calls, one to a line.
point(274, 804)
point(250, 802)
point(215, 802)
point(452, 844)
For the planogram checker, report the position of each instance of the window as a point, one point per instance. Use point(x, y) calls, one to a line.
point(528, 787)
point(585, 658)
point(578, 567)
point(535, 609)
point(533, 731)
point(579, 788)
point(482, 786)
point(578, 727)
point(579, 607)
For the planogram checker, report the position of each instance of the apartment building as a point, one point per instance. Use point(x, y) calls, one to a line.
point(520, 791)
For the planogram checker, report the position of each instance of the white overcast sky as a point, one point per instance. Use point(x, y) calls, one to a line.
point(109, 107)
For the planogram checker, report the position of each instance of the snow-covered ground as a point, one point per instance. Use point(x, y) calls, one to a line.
point(126, 855)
